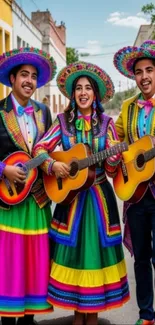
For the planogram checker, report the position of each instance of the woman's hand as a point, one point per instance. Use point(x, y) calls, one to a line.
point(60, 169)
point(14, 174)
point(115, 158)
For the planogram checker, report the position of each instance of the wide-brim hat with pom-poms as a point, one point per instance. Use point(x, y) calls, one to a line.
point(45, 65)
point(74, 70)
point(125, 58)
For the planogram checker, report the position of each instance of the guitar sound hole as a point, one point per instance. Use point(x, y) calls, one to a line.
point(74, 168)
point(140, 160)
point(19, 187)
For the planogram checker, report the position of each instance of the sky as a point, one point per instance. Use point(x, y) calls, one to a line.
point(97, 27)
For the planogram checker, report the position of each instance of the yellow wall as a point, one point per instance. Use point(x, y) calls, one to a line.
point(6, 16)
point(6, 11)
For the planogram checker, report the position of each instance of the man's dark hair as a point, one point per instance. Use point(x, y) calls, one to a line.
point(140, 59)
point(14, 71)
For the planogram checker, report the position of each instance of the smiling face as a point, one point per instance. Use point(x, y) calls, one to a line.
point(84, 95)
point(145, 77)
point(24, 83)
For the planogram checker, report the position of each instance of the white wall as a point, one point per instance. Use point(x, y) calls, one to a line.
point(25, 32)
point(24, 29)
point(61, 62)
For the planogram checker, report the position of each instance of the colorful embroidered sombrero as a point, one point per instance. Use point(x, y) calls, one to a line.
point(68, 74)
point(124, 59)
point(45, 65)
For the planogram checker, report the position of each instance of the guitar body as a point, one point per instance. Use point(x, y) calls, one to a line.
point(13, 193)
point(76, 182)
point(130, 185)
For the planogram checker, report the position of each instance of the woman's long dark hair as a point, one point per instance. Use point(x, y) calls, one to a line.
point(72, 116)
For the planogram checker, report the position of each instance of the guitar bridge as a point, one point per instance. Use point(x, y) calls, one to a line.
point(59, 182)
point(19, 187)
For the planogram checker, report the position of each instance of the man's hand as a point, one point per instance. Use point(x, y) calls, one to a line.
point(14, 174)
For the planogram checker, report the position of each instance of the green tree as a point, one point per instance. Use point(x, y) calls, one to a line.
point(149, 9)
point(116, 102)
point(71, 55)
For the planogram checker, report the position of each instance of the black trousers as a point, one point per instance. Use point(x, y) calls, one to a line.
point(8, 320)
point(141, 220)
point(26, 320)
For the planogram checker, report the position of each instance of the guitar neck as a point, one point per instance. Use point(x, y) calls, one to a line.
point(35, 162)
point(148, 155)
point(102, 155)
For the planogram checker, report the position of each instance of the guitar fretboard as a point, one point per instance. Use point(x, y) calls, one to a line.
point(33, 163)
point(148, 155)
point(102, 155)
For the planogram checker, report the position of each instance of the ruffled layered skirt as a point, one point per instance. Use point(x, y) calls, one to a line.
point(88, 272)
point(24, 259)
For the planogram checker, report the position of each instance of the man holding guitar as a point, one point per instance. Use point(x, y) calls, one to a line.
point(88, 273)
point(24, 243)
point(135, 122)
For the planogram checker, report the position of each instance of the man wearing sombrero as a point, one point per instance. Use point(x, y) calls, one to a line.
point(88, 273)
point(137, 119)
point(24, 244)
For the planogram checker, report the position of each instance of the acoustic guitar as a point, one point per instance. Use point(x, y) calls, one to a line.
point(82, 171)
point(14, 193)
point(135, 170)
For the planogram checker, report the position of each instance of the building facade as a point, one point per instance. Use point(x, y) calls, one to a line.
point(145, 32)
point(54, 42)
point(25, 34)
point(6, 28)
point(17, 30)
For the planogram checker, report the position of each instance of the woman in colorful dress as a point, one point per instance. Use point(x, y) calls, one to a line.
point(88, 273)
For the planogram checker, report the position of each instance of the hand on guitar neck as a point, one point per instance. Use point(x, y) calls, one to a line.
point(115, 158)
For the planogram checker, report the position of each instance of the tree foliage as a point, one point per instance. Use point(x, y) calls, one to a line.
point(116, 103)
point(71, 55)
point(149, 9)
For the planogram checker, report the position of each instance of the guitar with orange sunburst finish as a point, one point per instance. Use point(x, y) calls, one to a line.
point(82, 171)
point(136, 170)
point(13, 193)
